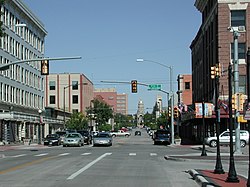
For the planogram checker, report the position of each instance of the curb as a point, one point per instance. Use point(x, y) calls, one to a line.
point(172, 158)
point(200, 179)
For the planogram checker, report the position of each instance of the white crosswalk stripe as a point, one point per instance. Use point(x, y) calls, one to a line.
point(18, 155)
point(43, 154)
point(63, 154)
point(132, 154)
point(153, 154)
point(84, 154)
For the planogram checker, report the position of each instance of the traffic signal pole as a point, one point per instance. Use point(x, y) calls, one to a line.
point(6, 66)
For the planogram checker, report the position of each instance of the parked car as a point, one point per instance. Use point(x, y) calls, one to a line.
point(73, 139)
point(62, 135)
point(225, 139)
point(137, 133)
point(120, 133)
point(102, 138)
point(162, 136)
point(52, 139)
point(87, 136)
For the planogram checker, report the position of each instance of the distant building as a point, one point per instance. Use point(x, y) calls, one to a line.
point(140, 113)
point(118, 102)
point(71, 92)
point(184, 90)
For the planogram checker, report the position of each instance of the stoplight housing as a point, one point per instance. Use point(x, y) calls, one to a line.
point(44, 67)
point(234, 101)
point(134, 86)
point(176, 112)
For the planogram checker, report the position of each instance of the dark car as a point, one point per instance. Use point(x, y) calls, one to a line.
point(137, 133)
point(52, 139)
point(162, 136)
point(87, 136)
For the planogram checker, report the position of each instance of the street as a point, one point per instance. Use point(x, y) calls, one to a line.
point(132, 161)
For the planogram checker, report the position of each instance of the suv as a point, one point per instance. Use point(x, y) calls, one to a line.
point(162, 136)
point(87, 136)
point(225, 138)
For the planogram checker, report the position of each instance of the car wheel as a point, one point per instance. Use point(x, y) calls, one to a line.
point(113, 135)
point(64, 145)
point(126, 136)
point(242, 143)
point(213, 143)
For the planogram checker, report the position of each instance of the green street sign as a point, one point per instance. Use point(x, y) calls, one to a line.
point(154, 87)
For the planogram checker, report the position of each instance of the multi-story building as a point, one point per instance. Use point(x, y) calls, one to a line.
point(214, 44)
point(109, 96)
point(184, 90)
point(21, 86)
point(68, 92)
point(122, 104)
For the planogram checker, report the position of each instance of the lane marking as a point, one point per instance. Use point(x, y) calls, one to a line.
point(43, 154)
point(87, 166)
point(26, 165)
point(84, 154)
point(63, 154)
point(18, 155)
point(132, 154)
point(153, 154)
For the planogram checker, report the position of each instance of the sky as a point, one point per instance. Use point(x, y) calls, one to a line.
point(110, 35)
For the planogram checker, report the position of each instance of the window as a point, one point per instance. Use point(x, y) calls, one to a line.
point(52, 99)
point(238, 18)
point(241, 51)
point(52, 85)
point(75, 99)
point(242, 84)
point(187, 85)
point(74, 85)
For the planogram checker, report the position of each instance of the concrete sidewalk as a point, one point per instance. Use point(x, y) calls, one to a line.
point(21, 146)
point(208, 177)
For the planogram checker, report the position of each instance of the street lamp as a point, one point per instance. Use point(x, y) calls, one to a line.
point(39, 126)
point(64, 100)
point(171, 92)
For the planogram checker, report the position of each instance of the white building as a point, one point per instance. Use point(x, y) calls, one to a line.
point(21, 86)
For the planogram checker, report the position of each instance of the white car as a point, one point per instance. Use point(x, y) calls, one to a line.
point(225, 139)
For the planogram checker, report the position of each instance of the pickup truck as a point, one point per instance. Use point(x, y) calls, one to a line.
point(120, 133)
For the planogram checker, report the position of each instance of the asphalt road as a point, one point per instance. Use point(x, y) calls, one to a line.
point(130, 162)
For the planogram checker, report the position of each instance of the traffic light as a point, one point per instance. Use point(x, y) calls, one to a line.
point(234, 101)
point(242, 101)
point(44, 67)
point(134, 86)
point(169, 111)
point(176, 112)
point(213, 72)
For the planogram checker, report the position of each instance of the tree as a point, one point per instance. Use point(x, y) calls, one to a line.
point(77, 121)
point(1, 23)
point(101, 110)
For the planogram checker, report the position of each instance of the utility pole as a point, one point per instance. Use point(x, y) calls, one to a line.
point(236, 91)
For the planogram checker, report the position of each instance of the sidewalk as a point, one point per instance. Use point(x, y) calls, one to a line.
point(21, 146)
point(207, 178)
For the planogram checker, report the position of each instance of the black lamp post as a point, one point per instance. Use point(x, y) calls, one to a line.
point(248, 100)
point(39, 126)
point(215, 74)
point(232, 175)
point(203, 152)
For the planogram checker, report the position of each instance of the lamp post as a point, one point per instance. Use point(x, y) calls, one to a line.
point(215, 74)
point(39, 126)
point(232, 175)
point(171, 93)
point(64, 100)
point(236, 34)
point(248, 100)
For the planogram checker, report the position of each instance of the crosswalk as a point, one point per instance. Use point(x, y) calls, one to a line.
point(64, 154)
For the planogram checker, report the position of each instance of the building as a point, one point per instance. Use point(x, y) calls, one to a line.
point(21, 86)
point(109, 96)
point(214, 45)
point(184, 90)
point(122, 104)
point(68, 92)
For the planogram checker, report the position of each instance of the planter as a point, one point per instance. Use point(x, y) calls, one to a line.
point(177, 141)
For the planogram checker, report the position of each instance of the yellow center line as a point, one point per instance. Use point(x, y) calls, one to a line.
point(26, 165)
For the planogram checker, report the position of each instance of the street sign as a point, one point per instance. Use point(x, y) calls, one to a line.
point(154, 87)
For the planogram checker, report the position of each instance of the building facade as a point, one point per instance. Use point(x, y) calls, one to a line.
point(214, 45)
point(21, 86)
point(68, 92)
point(122, 104)
point(184, 90)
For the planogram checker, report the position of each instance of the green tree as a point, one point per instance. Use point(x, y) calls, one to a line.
point(77, 121)
point(1, 23)
point(101, 110)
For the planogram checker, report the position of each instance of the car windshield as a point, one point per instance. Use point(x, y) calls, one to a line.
point(102, 135)
point(72, 136)
point(52, 136)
